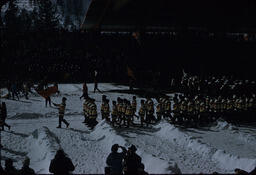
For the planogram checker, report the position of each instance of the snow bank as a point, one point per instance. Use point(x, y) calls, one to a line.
point(28, 116)
point(174, 134)
point(43, 146)
point(225, 160)
point(223, 125)
point(107, 135)
point(104, 131)
point(231, 162)
point(247, 138)
point(154, 165)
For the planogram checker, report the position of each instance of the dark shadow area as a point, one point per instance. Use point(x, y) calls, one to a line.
point(77, 130)
point(14, 152)
point(143, 93)
point(18, 134)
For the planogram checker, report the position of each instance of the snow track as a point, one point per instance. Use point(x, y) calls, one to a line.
point(164, 148)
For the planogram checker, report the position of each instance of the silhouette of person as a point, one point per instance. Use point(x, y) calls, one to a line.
point(114, 159)
point(3, 116)
point(9, 168)
point(26, 170)
point(61, 164)
point(132, 161)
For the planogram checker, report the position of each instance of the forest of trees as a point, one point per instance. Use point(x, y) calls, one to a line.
point(46, 15)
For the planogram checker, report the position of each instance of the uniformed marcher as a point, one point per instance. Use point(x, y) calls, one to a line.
point(159, 109)
point(114, 113)
point(183, 111)
point(128, 113)
point(92, 114)
point(150, 111)
point(190, 112)
point(142, 112)
point(124, 106)
point(86, 111)
point(176, 112)
point(167, 108)
point(26, 90)
point(103, 106)
point(202, 113)
point(134, 107)
point(120, 112)
point(62, 108)
point(106, 110)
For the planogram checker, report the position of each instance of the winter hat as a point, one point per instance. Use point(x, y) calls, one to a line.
point(114, 148)
point(26, 161)
point(133, 148)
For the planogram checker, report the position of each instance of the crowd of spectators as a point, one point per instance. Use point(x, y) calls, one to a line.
point(223, 86)
point(74, 56)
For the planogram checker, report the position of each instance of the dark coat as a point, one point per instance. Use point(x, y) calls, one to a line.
point(3, 113)
point(61, 166)
point(2, 170)
point(253, 172)
point(114, 161)
point(11, 170)
point(132, 162)
point(25, 170)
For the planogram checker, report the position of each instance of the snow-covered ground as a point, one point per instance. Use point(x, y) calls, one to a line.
point(164, 148)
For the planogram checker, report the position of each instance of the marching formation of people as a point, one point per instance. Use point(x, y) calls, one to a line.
point(124, 111)
point(198, 109)
point(90, 112)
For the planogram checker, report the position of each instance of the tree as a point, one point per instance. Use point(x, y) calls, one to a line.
point(2, 3)
point(68, 23)
point(47, 15)
point(25, 21)
point(11, 17)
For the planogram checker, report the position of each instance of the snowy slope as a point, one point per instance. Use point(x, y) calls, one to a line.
point(164, 148)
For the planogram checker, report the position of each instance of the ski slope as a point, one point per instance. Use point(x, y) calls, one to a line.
point(164, 148)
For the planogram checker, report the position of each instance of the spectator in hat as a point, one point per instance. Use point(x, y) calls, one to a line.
point(132, 161)
point(114, 159)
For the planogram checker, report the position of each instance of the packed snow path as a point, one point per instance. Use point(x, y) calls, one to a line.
point(164, 148)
